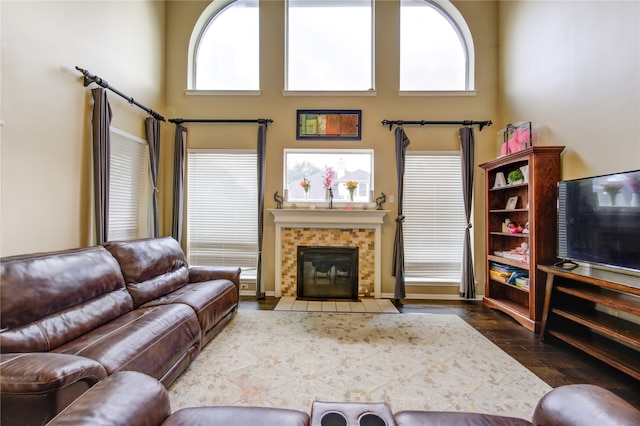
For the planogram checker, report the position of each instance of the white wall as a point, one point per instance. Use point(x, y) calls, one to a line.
point(45, 189)
point(573, 67)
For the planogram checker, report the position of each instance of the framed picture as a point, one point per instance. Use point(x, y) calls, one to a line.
point(329, 124)
point(512, 202)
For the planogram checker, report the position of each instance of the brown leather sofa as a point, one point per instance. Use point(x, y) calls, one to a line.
point(71, 318)
point(131, 399)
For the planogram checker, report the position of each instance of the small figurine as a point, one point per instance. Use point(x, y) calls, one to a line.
point(381, 199)
point(278, 199)
point(330, 198)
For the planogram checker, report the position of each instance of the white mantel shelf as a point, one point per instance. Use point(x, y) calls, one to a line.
point(329, 218)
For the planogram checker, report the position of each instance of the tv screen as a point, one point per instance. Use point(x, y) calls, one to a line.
point(599, 220)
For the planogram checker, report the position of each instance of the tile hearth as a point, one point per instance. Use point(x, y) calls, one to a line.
point(367, 305)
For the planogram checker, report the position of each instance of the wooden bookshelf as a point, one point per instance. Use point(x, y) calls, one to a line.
point(536, 205)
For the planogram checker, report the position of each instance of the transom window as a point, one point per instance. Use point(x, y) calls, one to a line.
point(334, 167)
point(329, 45)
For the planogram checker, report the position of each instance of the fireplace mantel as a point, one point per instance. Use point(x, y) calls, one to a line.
point(325, 219)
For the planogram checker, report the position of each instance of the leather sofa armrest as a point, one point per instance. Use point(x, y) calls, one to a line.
point(574, 405)
point(208, 273)
point(39, 372)
point(124, 398)
point(35, 386)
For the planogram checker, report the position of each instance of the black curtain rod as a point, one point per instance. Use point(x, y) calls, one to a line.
point(213, 120)
point(482, 124)
point(90, 78)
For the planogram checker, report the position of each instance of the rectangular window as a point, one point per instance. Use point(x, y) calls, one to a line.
point(222, 209)
point(434, 217)
point(329, 45)
point(129, 187)
point(313, 165)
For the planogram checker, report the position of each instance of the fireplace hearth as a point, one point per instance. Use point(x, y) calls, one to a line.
point(327, 273)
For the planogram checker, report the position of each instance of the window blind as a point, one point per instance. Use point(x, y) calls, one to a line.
point(434, 217)
point(222, 209)
point(129, 184)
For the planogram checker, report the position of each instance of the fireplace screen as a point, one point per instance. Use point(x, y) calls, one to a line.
point(327, 273)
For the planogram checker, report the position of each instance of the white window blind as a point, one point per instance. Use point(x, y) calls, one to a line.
point(434, 217)
point(222, 209)
point(129, 185)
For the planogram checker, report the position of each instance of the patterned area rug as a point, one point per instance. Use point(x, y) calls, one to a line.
point(411, 361)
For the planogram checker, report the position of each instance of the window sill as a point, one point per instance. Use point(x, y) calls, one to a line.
point(329, 93)
point(192, 92)
point(448, 93)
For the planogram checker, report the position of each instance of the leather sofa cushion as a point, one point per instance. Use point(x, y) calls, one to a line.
point(237, 416)
point(148, 340)
point(152, 267)
point(211, 300)
point(443, 418)
point(34, 286)
point(57, 329)
point(51, 298)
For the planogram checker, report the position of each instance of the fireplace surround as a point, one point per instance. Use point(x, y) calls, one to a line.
point(328, 227)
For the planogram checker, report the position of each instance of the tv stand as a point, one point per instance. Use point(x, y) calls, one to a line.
point(596, 311)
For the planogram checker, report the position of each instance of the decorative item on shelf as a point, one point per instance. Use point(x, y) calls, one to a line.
point(515, 177)
point(500, 180)
point(306, 185)
point(381, 199)
point(278, 199)
point(512, 202)
point(525, 173)
point(514, 228)
point(351, 186)
point(328, 177)
point(286, 195)
point(515, 137)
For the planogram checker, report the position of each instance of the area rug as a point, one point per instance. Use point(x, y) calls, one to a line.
point(411, 361)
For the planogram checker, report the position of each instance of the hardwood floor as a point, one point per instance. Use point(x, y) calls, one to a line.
point(554, 362)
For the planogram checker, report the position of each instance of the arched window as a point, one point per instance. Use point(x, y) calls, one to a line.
point(436, 47)
point(225, 47)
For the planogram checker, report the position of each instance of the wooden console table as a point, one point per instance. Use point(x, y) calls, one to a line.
point(596, 311)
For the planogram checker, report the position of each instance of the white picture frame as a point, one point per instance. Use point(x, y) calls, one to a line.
point(512, 202)
point(500, 180)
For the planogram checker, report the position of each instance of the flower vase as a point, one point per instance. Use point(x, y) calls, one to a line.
point(306, 195)
point(351, 191)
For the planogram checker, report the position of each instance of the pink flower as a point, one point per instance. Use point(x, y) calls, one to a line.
point(305, 184)
point(328, 177)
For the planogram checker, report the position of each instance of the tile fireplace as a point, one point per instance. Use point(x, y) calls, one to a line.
point(339, 228)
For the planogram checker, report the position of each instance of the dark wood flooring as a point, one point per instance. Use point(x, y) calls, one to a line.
point(554, 362)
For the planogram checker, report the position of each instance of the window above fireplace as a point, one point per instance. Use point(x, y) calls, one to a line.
point(322, 166)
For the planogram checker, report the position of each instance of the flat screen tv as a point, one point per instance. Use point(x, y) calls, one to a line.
point(599, 220)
